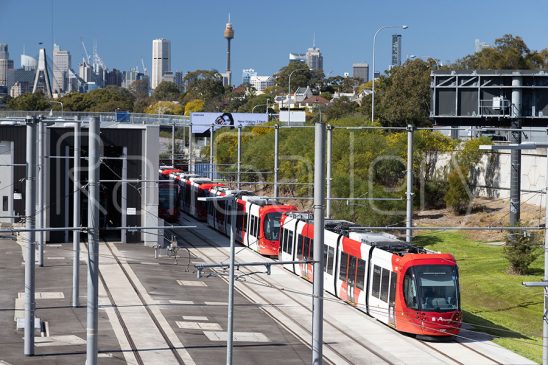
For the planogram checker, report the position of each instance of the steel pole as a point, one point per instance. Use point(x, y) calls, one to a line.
point(545, 316)
point(30, 207)
point(409, 210)
point(276, 158)
point(41, 193)
point(230, 325)
point(76, 219)
point(319, 185)
point(123, 205)
point(173, 145)
point(211, 152)
point(515, 155)
point(239, 164)
point(190, 160)
point(93, 240)
point(328, 178)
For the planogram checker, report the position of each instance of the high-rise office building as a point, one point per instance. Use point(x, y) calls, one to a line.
point(479, 45)
point(161, 60)
point(5, 64)
point(396, 50)
point(247, 73)
point(300, 57)
point(86, 72)
point(360, 71)
point(61, 66)
point(314, 59)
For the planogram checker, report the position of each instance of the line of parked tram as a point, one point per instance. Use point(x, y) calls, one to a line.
point(409, 288)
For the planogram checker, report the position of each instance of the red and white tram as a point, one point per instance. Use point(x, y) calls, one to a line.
point(406, 287)
point(257, 218)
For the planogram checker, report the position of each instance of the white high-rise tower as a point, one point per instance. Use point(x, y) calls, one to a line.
point(161, 60)
point(61, 66)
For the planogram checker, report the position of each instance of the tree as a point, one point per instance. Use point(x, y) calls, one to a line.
point(258, 103)
point(459, 193)
point(301, 76)
point(405, 96)
point(509, 53)
point(139, 89)
point(165, 107)
point(340, 107)
point(33, 101)
point(109, 99)
point(75, 102)
point(206, 85)
point(521, 250)
point(195, 105)
point(167, 91)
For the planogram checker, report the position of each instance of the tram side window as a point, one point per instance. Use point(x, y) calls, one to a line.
point(290, 243)
point(375, 286)
point(299, 246)
point(393, 279)
point(282, 239)
point(331, 259)
point(384, 285)
point(344, 265)
point(311, 254)
point(245, 222)
point(306, 247)
point(361, 274)
point(410, 291)
point(352, 270)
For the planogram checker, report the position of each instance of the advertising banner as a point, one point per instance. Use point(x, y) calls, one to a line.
point(201, 122)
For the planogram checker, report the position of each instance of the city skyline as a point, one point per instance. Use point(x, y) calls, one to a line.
point(195, 30)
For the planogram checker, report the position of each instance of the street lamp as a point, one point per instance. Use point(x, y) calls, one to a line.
point(288, 97)
point(58, 102)
point(428, 58)
point(253, 109)
point(374, 41)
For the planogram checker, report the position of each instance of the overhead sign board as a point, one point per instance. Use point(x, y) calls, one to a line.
point(296, 117)
point(201, 122)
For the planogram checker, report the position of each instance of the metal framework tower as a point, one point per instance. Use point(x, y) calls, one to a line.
point(229, 35)
point(41, 80)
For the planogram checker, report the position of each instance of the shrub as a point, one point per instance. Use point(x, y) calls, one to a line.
point(458, 195)
point(521, 250)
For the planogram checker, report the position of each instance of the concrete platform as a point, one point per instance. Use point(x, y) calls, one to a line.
point(156, 311)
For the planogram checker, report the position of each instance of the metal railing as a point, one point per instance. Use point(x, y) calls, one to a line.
point(115, 117)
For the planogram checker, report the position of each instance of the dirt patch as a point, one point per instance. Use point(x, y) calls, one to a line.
point(484, 213)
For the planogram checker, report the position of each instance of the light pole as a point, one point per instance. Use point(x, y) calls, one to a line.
point(374, 41)
point(428, 58)
point(289, 97)
point(58, 102)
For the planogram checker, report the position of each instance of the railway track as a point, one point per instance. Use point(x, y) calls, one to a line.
point(120, 318)
point(366, 346)
point(356, 342)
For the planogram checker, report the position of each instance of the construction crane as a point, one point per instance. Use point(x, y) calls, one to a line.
point(87, 59)
point(144, 67)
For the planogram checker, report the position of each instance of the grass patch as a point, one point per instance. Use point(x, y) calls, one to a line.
point(493, 300)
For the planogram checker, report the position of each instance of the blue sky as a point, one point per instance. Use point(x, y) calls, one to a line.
point(265, 32)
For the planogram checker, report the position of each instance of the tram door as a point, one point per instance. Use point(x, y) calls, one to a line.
point(392, 299)
point(352, 279)
point(6, 182)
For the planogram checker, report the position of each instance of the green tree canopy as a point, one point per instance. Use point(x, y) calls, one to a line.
point(405, 96)
point(167, 91)
point(109, 99)
point(36, 101)
point(206, 85)
point(301, 76)
point(509, 53)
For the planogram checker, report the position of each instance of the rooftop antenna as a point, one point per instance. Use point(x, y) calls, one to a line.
point(314, 41)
